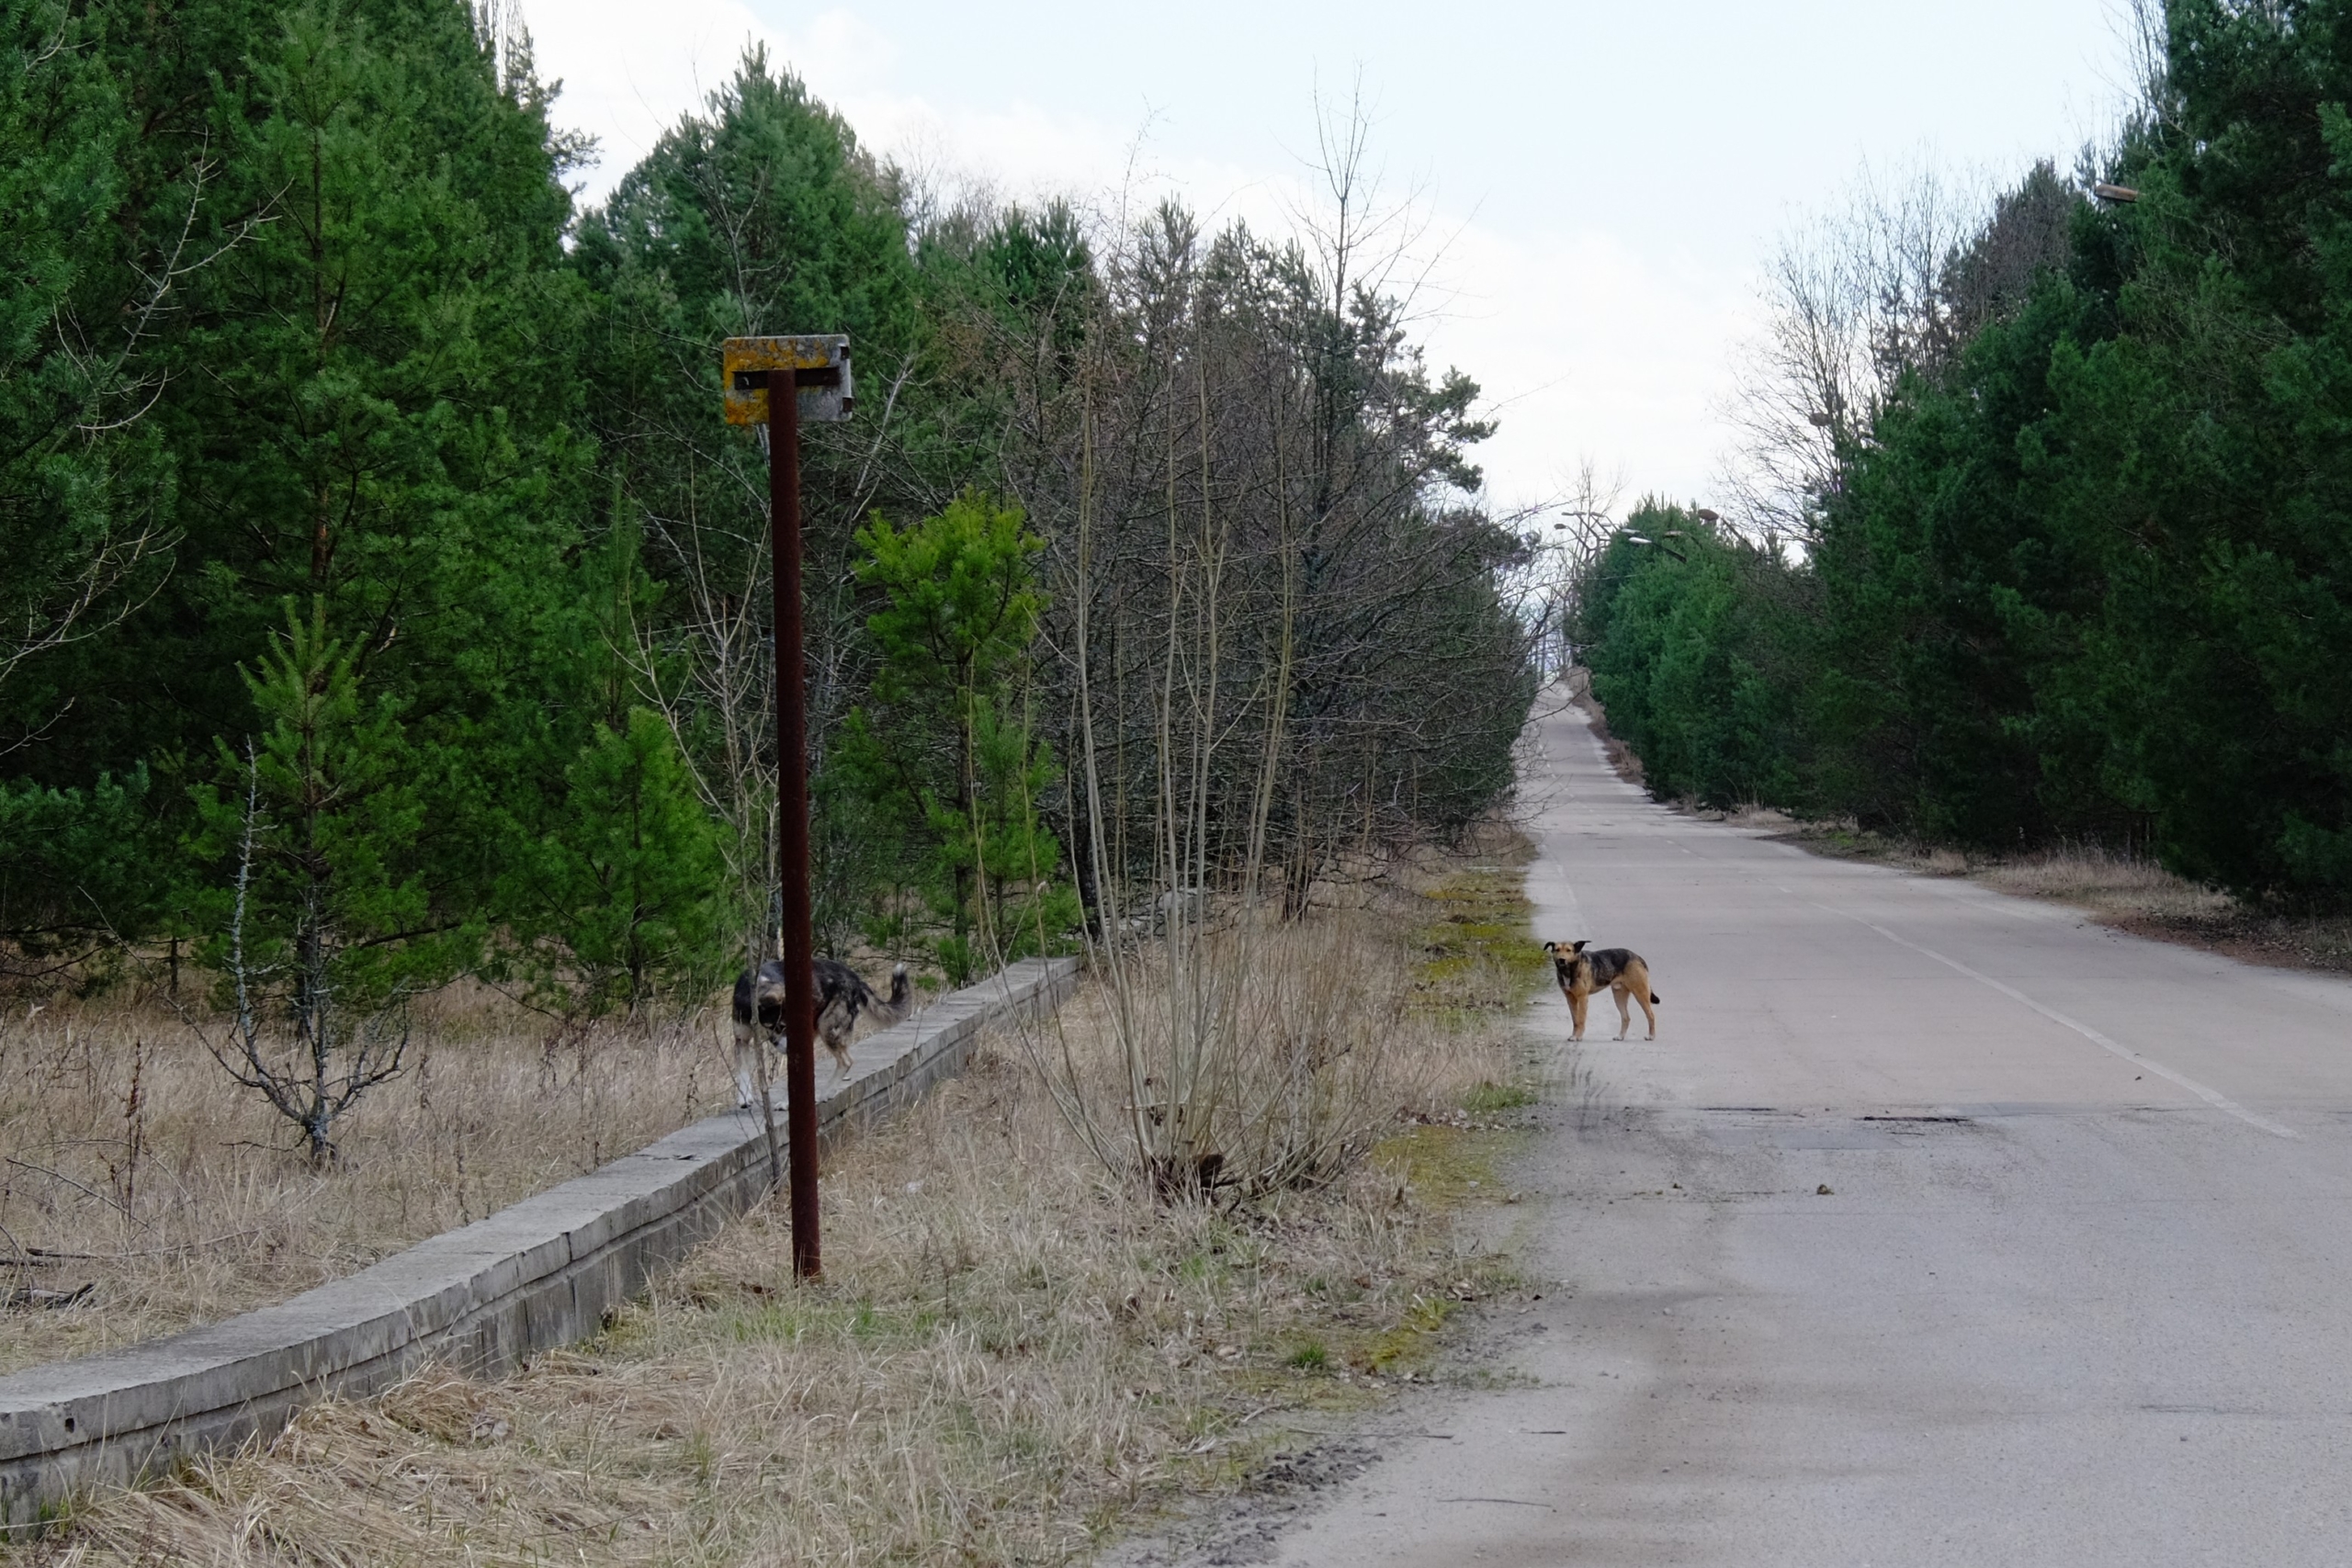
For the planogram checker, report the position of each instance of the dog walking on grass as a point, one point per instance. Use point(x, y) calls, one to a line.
point(841, 995)
point(1622, 974)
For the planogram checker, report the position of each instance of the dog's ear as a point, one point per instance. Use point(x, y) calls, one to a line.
point(1551, 947)
point(1581, 946)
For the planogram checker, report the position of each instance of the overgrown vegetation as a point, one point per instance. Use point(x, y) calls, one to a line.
point(1476, 946)
point(139, 1174)
point(386, 602)
point(1011, 1358)
point(2047, 542)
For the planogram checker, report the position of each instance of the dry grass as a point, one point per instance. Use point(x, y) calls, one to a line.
point(2108, 883)
point(1013, 1354)
point(177, 1195)
point(1283, 1048)
point(2129, 892)
point(2142, 897)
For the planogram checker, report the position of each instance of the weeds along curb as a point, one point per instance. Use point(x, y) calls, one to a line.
point(543, 1273)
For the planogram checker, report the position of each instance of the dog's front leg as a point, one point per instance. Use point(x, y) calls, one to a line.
point(1577, 1005)
point(748, 1045)
point(747, 1093)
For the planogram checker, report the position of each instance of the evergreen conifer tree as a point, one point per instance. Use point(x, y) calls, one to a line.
point(319, 924)
point(944, 742)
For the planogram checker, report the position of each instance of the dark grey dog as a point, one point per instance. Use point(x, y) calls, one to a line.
point(841, 995)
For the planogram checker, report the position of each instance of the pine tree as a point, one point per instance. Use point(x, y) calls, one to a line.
point(366, 396)
point(85, 493)
point(319, 924)
point(760, 214)
point(622, 901)
point(944, 742)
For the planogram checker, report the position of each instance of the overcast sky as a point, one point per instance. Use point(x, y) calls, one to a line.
point(1598, 184)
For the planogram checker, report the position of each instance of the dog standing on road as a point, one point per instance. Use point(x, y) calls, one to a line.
point(841, 995)
point(1622, 974)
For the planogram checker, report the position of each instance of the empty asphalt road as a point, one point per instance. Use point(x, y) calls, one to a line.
point(2080, 1292)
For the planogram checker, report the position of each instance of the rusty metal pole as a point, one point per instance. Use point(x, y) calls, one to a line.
point(791, 820)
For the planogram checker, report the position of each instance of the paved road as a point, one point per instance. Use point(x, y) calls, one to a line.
point(2081, 1292)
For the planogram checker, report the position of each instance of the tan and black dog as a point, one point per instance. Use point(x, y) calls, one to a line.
point(841, 995)
point(1622, 974)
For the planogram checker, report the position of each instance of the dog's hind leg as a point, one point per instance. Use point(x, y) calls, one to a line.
point(747, 1093)
point(1637, 979)
point(834, 1029)
point(1624, 1012)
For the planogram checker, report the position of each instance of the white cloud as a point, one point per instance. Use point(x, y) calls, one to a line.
point(1603, 143)
point(624, 81)
point(1587, 348)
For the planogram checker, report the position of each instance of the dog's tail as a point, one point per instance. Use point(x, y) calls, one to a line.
point(901, 998)
point(1656, 1000)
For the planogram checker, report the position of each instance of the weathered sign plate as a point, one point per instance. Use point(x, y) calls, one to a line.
point(818, 365)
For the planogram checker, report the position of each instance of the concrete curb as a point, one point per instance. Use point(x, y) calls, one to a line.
point(543, 1273)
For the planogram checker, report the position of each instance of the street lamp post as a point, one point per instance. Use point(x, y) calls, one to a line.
point(1572, 551)
point(814, 372)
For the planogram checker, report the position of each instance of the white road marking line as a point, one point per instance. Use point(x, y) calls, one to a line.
point(2211, 1097)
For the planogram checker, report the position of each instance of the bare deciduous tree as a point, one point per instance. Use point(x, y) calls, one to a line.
point(1892, 283)
point(1290, 641)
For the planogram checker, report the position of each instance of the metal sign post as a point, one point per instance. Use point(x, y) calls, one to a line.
point(816, 372)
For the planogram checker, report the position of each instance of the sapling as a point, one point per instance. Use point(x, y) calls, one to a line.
point(324, 940)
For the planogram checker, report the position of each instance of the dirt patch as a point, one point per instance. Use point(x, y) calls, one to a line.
point(1843, 841)
point(1320, 1451)
point(2280, 942)
point(1246, 1526)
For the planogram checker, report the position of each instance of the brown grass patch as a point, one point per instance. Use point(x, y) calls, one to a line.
point(1839, 837)
point(2137, 895)
point(2107, 883)
point(1013, 1354)
point(2130, 892)
point(135, 1165)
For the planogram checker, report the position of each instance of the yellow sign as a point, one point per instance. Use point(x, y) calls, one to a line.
point(818, 366)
